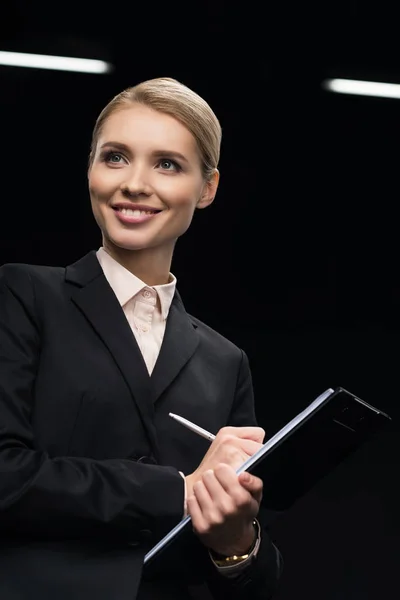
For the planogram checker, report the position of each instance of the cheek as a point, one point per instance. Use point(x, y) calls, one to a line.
point(92, 183)
point(97, 213)
point(184, 194)
point(100, 184)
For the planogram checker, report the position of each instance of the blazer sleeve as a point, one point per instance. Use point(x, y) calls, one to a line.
point(259, 580)
point(64, 496)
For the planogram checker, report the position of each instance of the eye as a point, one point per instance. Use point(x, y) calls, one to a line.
point(169, 165)
point(112, 157)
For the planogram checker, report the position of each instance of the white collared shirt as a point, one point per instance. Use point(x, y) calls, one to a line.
point(146, 307)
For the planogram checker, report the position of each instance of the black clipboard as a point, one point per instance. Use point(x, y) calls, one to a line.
point(306, 449)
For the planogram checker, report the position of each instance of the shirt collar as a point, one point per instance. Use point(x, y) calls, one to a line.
point(126, 285)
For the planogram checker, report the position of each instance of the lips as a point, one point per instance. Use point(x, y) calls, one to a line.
point(129, 206)
point(133, 216)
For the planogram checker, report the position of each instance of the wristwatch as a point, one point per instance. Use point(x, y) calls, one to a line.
point(228, 561)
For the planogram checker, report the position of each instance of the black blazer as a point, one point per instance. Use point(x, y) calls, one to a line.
point(90, 459)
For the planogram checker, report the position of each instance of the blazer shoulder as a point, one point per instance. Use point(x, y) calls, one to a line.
point(19, 276)
point(214, 336)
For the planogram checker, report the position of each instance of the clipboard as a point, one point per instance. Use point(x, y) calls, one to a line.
point(306, 449)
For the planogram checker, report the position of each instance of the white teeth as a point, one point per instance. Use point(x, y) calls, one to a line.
point(135, 213)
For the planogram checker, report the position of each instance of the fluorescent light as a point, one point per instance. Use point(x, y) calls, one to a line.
point(58, 63)
point(362, 88)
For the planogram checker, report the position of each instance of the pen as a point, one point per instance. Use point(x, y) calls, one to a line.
point(203, 432)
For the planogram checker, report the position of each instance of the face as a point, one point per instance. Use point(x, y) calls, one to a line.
point(146, 181)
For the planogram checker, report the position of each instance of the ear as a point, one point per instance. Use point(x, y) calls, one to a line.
point(209, 190)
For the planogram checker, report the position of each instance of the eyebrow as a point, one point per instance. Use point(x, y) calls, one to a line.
point(156, 153)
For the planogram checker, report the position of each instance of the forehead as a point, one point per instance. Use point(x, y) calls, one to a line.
point(144, 126)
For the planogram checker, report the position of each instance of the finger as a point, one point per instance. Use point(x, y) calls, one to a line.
point(248, 446)
point(226, 476)
point(230, 450)
point(205, 501)
point(229, 481)
point(243, 444)
point(196, 515)
point(252, 484)
point(256, 434)
point(214, 507)
point(222, 499)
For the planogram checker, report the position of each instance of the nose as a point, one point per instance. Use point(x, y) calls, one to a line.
point(136, 182)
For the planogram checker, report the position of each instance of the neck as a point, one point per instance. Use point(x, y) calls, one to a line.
point(151, 265)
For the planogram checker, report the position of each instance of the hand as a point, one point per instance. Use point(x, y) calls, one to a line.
point(222, 508)
point(232, 446)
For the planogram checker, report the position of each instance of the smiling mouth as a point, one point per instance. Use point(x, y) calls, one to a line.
point(129, 216)
point(135, 212)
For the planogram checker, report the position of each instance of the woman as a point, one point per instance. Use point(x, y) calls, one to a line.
point(94, 357)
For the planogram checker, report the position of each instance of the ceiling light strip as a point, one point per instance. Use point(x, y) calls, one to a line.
point(362, 88)
point(58, 63)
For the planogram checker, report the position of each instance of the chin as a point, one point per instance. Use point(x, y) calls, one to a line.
point(128, 245)
point(128, 241)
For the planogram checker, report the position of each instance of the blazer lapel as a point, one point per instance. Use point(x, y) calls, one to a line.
point(96, 300)
point(179, 344)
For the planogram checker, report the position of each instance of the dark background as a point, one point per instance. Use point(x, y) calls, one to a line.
point(297, 259)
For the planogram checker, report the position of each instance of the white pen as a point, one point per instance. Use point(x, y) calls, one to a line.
point(203, 432)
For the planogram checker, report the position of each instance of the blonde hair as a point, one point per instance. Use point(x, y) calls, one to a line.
point(171, 97)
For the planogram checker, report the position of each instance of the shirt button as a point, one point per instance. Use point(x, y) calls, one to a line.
point(146, 294)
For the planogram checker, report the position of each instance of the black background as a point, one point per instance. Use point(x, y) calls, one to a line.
point(297, 259)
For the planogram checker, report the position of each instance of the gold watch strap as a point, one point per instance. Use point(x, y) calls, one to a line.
point(228, 561)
